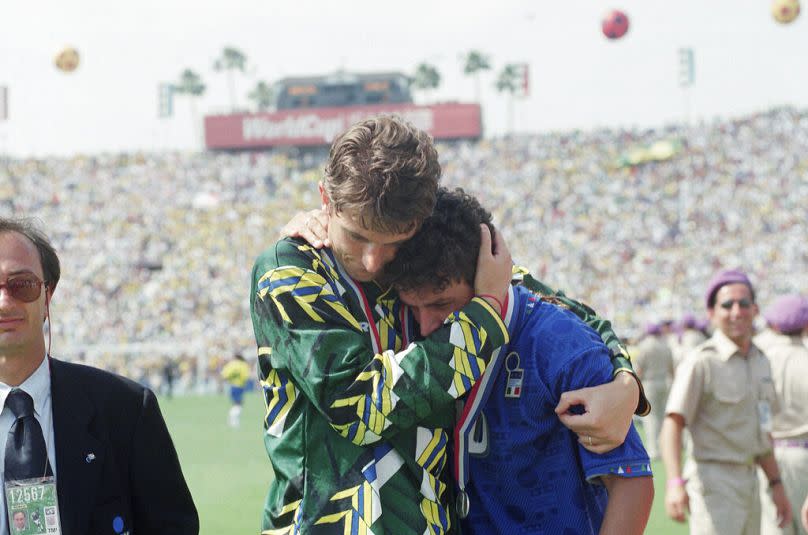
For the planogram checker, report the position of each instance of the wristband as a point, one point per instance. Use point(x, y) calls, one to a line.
point(499, 303)
point(775, 481)
point(675, 482)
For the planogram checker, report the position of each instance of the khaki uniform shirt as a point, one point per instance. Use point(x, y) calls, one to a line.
point(788, 357)
point(653, 360)
point(718, 392)
point(690, 339)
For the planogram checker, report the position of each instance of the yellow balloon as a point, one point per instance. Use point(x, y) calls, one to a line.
point(785, 11)
point(67, 60)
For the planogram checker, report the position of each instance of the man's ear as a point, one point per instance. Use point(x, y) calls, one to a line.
point(48, 295)
point(326, 202)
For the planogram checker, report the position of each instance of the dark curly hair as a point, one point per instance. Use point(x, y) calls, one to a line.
point(445, 248)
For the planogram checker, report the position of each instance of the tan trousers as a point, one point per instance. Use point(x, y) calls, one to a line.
point(657, 394)
point(793, 463)
point(724, 499)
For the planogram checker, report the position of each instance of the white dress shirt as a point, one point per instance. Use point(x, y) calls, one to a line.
point(38, 386)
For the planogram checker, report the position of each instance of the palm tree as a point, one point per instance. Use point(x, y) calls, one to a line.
point(232, 59)
point(473, 63)
point(191, 84)
point(508, 82)
point(426, 77)
point(263, 95)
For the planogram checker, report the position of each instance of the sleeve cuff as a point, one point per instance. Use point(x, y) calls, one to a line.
point(628, 469)
point(484, 315)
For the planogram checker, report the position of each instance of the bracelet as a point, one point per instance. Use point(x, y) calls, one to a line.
point(675, 482)
point(775, 481)
point(499, 303)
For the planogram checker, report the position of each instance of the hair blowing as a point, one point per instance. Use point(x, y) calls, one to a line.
point(385, 172)
point(51, 269)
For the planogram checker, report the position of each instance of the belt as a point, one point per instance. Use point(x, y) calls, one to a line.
point(790, 443)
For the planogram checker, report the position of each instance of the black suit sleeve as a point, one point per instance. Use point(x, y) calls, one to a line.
point(161, 501)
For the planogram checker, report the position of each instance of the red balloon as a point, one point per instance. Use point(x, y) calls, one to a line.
point(615, 24)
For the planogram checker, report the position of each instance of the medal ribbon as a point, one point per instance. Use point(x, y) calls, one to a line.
point(375, 339)
point(476, 401)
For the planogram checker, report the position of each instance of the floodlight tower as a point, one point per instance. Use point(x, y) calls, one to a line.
point(687, 77)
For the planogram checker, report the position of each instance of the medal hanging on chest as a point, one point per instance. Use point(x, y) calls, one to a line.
point(513, 381)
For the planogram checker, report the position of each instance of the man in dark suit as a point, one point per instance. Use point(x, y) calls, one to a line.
point(115, 467)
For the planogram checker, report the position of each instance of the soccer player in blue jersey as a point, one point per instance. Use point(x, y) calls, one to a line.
point(518, 468)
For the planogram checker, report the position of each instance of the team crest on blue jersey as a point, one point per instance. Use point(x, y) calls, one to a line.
point(516, 375)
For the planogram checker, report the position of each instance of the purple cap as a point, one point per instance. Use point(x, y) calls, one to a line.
point(722, 278)
point(788, 314)
point(688, 321)
point(653, 329)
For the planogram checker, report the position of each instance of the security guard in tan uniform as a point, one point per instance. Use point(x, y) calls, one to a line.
point(723, 392)
point(653, 362)
point(787, 319)
point(690, 336)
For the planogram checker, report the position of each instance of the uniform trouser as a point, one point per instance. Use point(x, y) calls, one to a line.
point(657, 394)
point(793, 463)
point(724, 498)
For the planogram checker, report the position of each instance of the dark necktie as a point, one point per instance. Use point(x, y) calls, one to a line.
point(26, 454)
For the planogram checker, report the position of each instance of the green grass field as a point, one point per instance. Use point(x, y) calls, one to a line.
point(228, 471)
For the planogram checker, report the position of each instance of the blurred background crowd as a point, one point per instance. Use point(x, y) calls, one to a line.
point(157, 248)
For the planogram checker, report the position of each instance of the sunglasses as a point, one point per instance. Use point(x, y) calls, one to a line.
point(729, 303)
point(25, 288)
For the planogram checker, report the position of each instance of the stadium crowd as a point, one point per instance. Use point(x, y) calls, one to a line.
point(157, 248)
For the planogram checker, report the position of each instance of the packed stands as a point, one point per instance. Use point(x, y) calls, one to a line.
point(157, 248)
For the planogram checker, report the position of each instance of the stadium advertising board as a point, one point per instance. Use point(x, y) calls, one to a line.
point(311, 127)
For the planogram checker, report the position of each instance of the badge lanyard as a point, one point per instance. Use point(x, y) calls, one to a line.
point(473, 408)
point(32, 505)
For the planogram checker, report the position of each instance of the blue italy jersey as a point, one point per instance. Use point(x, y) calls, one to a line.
point(528, 473)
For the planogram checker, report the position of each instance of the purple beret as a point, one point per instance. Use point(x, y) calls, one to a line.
point(722, 278)
point(688, 321)
point(653, 329)
point(788, 314)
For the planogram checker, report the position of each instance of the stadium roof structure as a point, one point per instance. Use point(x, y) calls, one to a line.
point(341, 77)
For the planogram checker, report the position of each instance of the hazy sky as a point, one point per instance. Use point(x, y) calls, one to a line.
point(744, 60)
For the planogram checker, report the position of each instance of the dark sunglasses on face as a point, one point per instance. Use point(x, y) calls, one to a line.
point(729, 303)
point(25, 288)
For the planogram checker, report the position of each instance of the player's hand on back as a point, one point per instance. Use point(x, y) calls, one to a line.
point(608, 410)
point(312, 226)
point(494, 267)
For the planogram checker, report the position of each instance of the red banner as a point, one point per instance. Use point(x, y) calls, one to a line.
point(319, 126)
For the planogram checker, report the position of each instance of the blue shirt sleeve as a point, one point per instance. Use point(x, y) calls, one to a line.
point(589, 365)
point(627, 460)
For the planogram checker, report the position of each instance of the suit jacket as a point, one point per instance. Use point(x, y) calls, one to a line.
point(117, 471)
